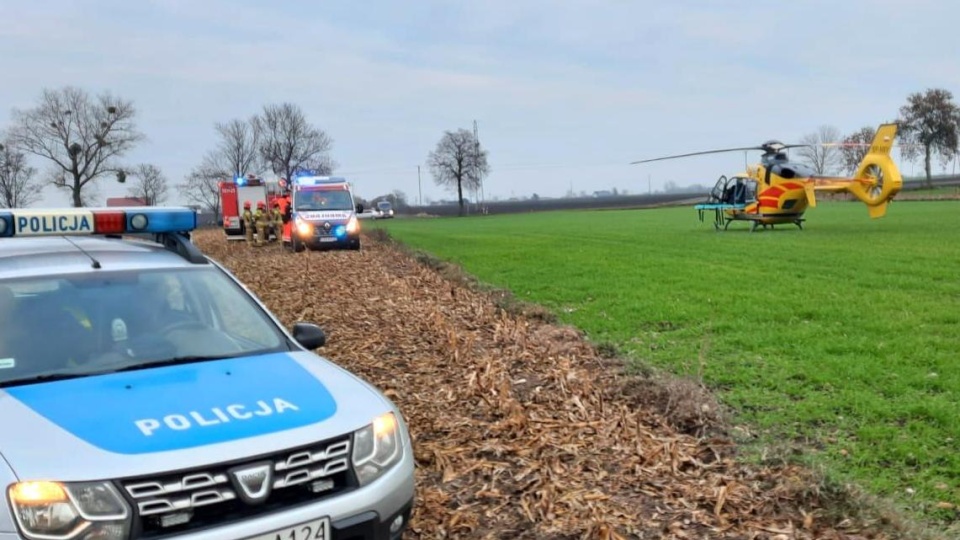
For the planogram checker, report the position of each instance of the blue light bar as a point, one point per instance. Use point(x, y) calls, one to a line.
point(21, 222)
point(318, 180)
point(304, 172)
point(6, 224)
point(160, 220)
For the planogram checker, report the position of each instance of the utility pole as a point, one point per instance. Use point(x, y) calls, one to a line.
point(419, 187)
point(476, 155)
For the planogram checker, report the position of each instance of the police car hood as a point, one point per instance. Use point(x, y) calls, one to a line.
point(148, 421)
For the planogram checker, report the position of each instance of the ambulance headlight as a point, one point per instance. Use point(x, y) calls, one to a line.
point(69, 511)
point(303, 228)
point(376, 448)
point(353, 225)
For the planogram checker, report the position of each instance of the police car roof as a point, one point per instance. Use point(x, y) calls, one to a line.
point(42, 256)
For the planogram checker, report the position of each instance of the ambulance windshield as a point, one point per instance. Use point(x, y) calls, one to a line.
point(322, 200)
point(82, 325)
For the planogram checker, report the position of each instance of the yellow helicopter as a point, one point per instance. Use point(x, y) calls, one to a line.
point(778, 191)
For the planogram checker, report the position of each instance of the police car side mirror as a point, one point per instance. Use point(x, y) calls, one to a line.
point(359, 208)
point(309, 335)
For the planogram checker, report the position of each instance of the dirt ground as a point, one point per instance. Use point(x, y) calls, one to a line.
point(521, 429)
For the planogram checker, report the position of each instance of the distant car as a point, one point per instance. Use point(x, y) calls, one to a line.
point(383, 210)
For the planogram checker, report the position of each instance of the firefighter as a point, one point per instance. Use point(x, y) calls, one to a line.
point(263, 220)
point(276, 220)
point(248, 222)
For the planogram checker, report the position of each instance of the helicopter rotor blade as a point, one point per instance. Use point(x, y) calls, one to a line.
point(861, 144)
point(698, 154)
point(767, 147)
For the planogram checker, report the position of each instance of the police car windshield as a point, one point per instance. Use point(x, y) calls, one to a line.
point(91, 323)
point(322, 200)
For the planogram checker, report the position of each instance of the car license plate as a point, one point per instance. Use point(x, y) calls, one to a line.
point(318, 529)
point(328, 239)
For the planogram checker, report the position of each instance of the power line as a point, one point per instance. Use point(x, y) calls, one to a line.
point(508, 167)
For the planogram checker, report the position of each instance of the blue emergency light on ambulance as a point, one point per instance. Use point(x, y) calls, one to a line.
point(82, 221)
point(315, 180)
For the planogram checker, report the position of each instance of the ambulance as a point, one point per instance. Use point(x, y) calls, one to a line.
point(146, 393)
point(248, 188)
point(321, 214)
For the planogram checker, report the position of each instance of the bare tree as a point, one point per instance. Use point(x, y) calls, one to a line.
point(82, 136)
point(822, 158)
point(18, 186)
point(150, 184)
point(236, 153)
point(930, 123)
point(238, 149)
point(288, 143)
point(458, 161)
point(854, 148)
point(398, 199)
point(202, 187)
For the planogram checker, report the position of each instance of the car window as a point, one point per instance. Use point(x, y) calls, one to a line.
point(94, 321)
point(326, 199)
point(245, 323)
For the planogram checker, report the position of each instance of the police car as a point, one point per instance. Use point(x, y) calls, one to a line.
point(146, 393)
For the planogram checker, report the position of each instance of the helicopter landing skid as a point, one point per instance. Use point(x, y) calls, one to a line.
point(757, 222)
point(722, 220)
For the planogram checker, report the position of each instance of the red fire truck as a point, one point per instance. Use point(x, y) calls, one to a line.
point(234, 193)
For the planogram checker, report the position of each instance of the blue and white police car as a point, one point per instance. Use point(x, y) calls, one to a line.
point(146, 393)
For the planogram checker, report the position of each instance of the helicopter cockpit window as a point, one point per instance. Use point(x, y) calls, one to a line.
point(739, 190)
point(750, 191)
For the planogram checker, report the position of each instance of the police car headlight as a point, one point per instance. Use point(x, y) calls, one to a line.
point(376, 448)
point(69, 511)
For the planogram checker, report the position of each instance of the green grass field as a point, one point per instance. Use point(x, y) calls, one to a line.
point(841, 337)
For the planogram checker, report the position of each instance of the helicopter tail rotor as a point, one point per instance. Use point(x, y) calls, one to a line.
point(878, 179)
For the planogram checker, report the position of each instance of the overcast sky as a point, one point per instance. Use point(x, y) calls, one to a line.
point(566, 93)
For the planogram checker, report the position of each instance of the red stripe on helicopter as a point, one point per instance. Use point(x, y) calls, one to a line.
point(769, 203)
point(792, 185)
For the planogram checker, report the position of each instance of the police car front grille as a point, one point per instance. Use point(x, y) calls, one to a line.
point(187, 500)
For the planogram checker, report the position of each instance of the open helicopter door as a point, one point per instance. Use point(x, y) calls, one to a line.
point(728, 195)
